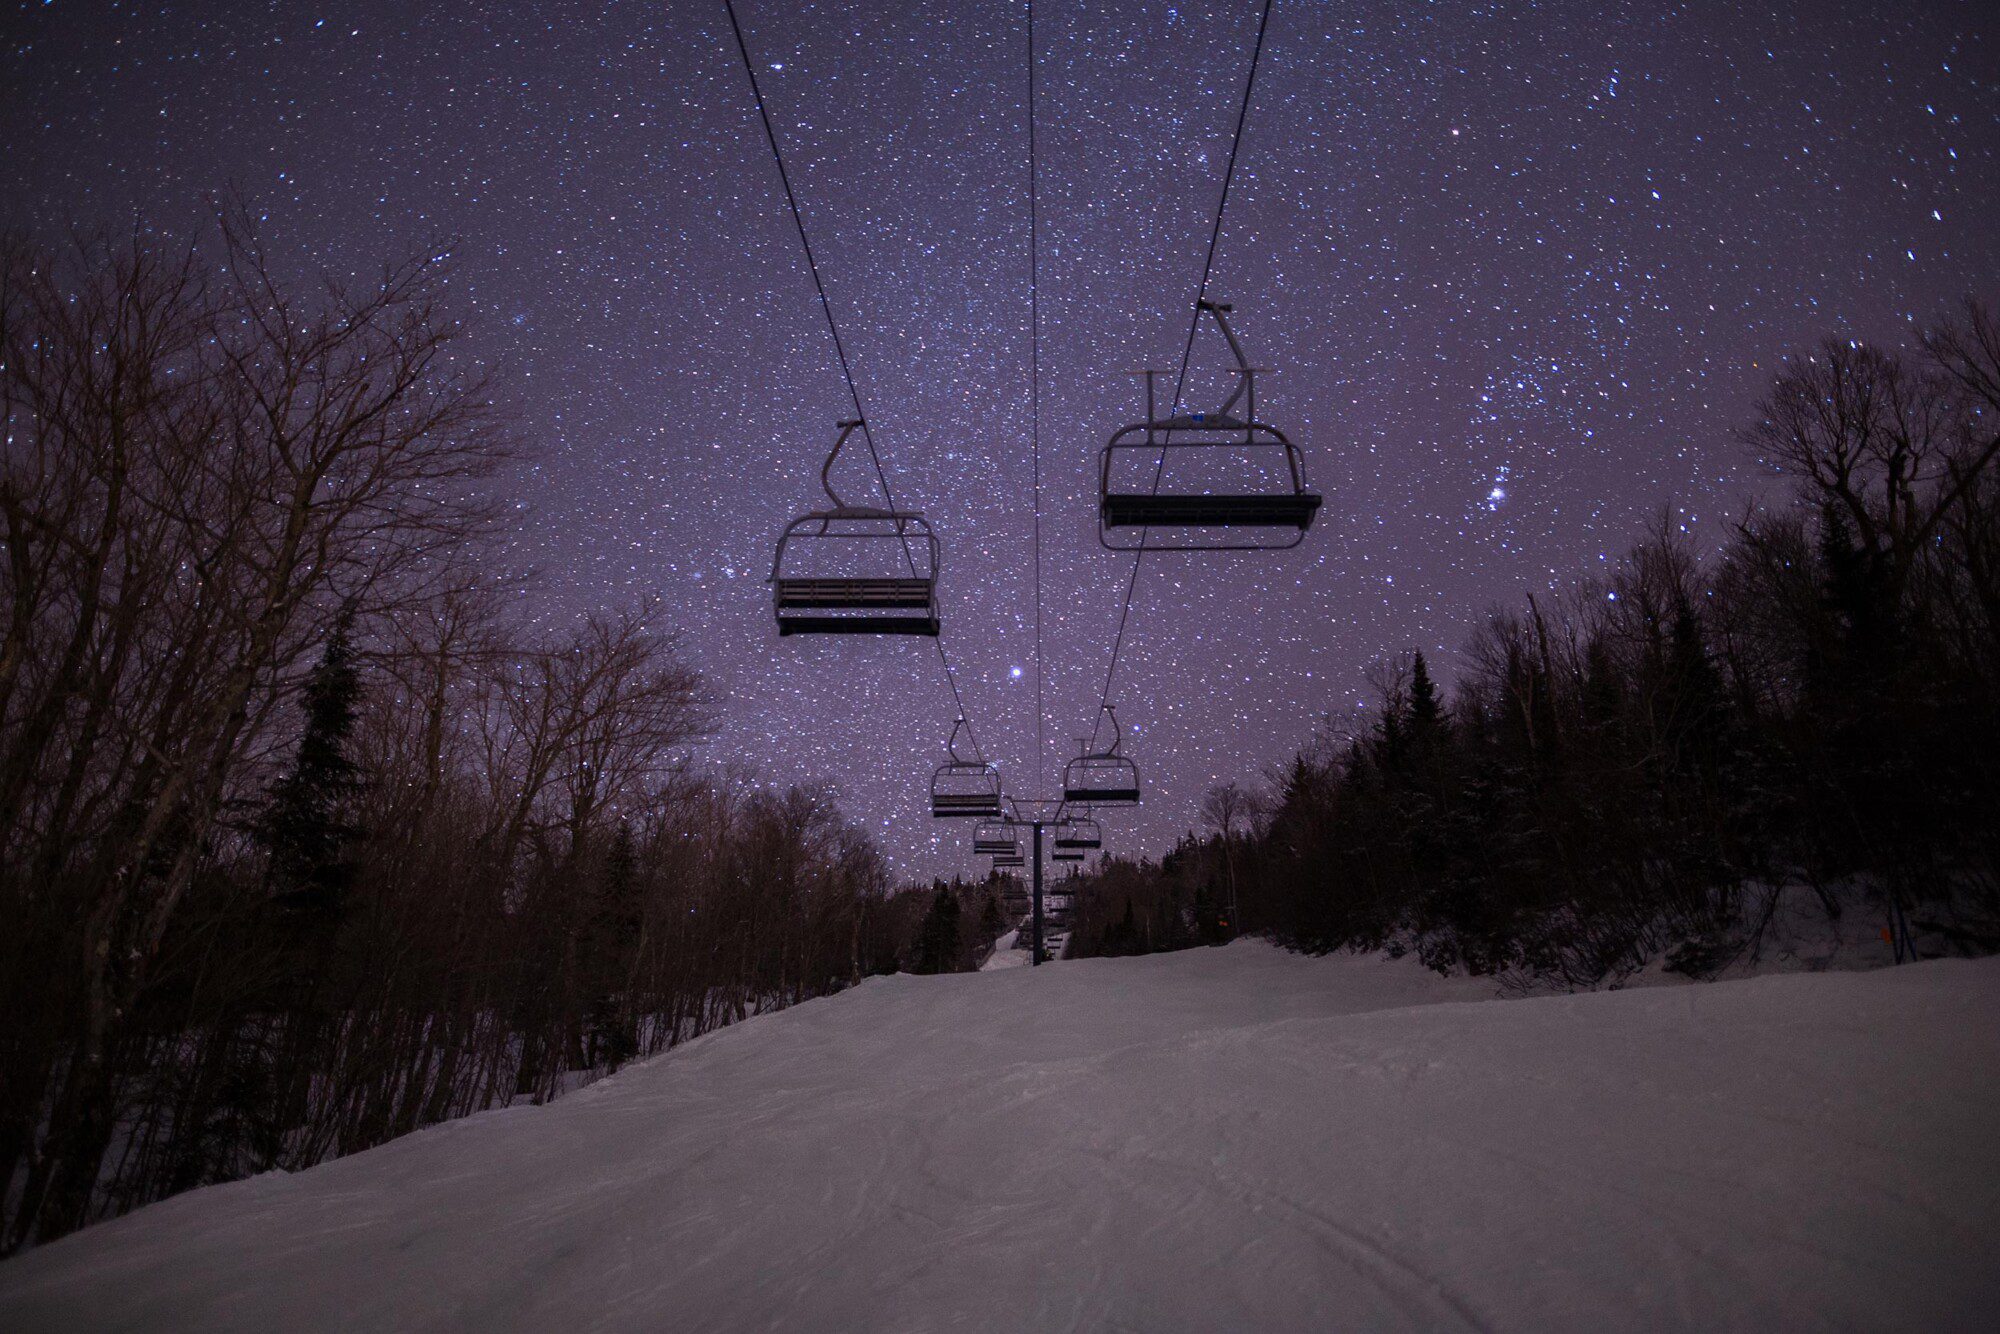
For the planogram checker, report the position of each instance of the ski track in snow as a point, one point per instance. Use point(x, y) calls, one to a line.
point(1213, 1140)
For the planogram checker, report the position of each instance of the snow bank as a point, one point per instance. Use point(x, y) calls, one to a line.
point(1214, 1140)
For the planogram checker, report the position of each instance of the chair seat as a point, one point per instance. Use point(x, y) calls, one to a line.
point(1281, 510)
point(1102, 796)
point(984, 803)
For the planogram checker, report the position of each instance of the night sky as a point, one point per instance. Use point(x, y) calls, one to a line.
point(1521, 269)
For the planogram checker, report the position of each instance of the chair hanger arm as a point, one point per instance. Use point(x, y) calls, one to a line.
point(826, 469)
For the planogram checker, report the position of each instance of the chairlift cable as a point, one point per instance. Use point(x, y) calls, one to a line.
point(1187, 351)
point(833, 329)
point(1035, 383)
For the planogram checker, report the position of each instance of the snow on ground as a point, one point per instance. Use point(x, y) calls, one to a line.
point(1213, 1140)
point(1006, 954)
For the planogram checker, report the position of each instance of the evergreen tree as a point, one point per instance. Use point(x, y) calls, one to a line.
point(1123, 937)
point(1698, 720)
point(610, 940)
point(306, 824)
point(992, 921)
point(1391, 737)
point(1426, 714)
point(937, 941)
point(1603, 690)
point(261, 1087)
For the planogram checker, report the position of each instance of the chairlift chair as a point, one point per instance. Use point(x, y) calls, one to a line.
point(855, 569)
point(1062, 854)
point(962, 788)
point(1009, 860)
point(1079, 833)
point(1102, 778)
point(995, 838)
point(1237, 517)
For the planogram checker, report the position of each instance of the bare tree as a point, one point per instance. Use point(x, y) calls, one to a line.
point(1223, 808)
point(1881, 442)
point(200, 471)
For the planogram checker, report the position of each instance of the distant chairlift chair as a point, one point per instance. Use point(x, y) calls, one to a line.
point(996, 838)
point(962, 788)
point(1102, 778)
point(1272, 516)
point(1079, 833)
point(855, 570)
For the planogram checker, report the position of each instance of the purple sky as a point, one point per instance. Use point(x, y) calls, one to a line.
point(1520, 270)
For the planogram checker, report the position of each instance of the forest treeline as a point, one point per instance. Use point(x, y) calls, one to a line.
point(1637, 769)
point(307, 839)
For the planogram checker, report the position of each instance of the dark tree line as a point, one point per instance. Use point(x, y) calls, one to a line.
point(1639, 768)
point(305, 840)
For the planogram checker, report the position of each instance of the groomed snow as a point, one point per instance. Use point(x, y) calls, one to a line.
point(1216, 1140)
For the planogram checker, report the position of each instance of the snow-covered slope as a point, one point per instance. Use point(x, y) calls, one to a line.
point(1216, 1140)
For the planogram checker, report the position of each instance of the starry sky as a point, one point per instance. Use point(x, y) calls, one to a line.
point(1520, 269)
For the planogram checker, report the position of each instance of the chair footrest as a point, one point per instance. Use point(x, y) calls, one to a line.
point(789, 624)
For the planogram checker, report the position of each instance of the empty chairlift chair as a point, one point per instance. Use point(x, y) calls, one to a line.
point(1078, 834)
point(996, 838)
point(962, 788)
point(854, 569)
point(1204, 481)
point(1102, 778)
